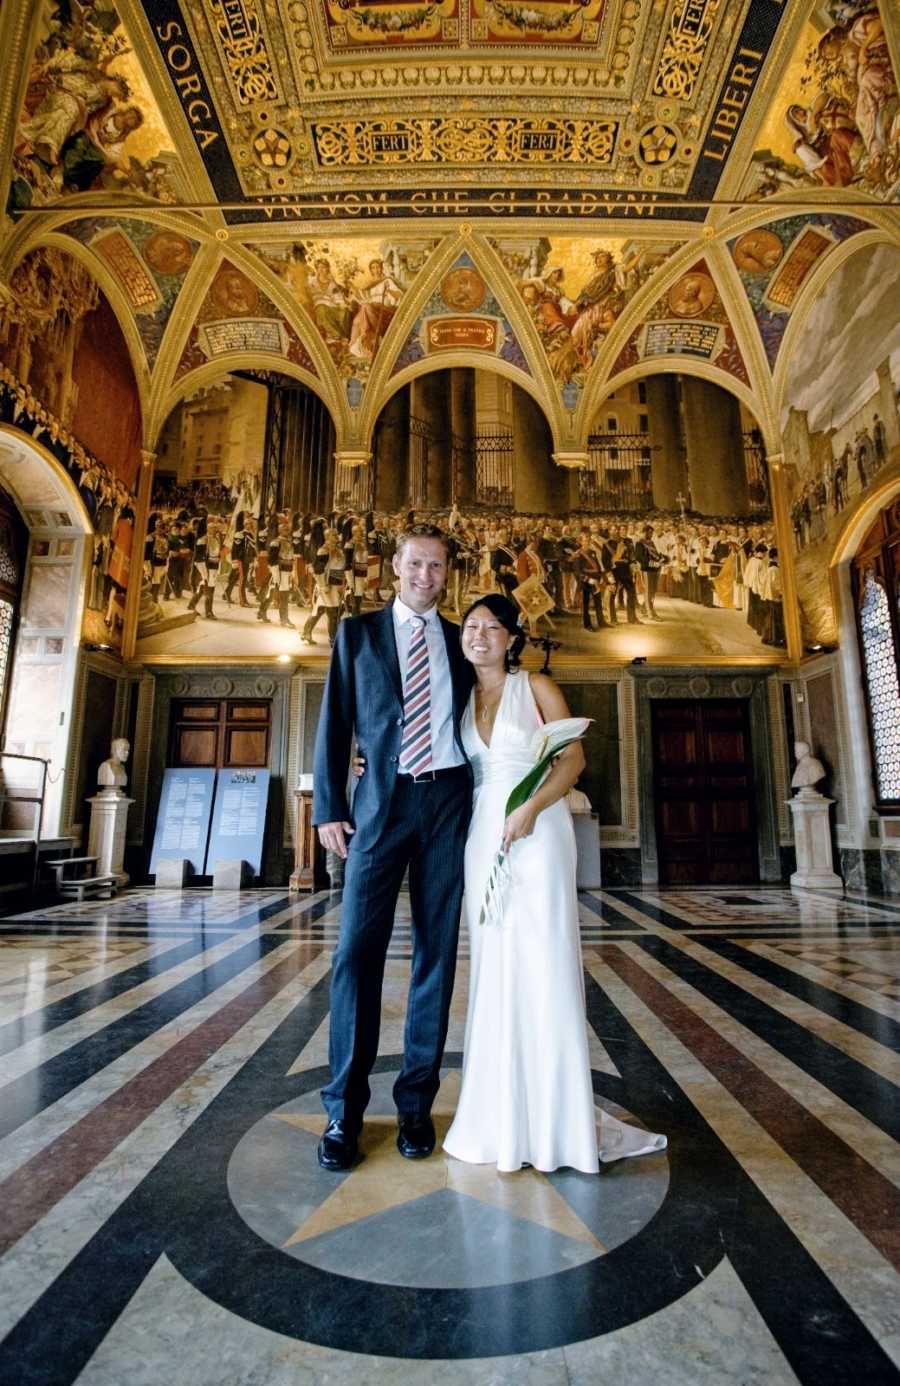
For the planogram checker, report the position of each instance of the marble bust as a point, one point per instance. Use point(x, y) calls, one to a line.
point(112, 775)
point(809, 770)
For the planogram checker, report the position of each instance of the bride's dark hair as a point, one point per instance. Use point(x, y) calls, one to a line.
point(507, 613)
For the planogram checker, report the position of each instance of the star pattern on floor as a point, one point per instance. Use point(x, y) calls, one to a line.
point(384, 1179)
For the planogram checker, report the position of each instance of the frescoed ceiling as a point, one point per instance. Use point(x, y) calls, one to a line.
point(629, 180)
point(382, 108)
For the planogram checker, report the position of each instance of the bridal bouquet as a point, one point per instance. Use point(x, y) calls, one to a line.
point(546, 745)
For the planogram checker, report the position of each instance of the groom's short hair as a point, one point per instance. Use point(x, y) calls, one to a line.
point(421, 532)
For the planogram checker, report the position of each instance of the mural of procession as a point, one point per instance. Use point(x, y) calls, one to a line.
point(841, 428)
point(224, 579)
point(596, 585)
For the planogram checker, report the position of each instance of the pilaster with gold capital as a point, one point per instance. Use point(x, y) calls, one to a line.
point(136, 570)
point(572, 460)
point(352, 478)
point(781, 513)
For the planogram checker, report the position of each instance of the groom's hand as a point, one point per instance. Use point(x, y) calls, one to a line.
point(333, 837)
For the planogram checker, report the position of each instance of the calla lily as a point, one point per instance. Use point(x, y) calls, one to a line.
point(546, 745)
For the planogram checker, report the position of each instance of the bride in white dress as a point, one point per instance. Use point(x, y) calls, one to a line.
point(526, 1095)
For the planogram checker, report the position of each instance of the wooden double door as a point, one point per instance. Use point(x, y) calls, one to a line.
point(220, 732)
point(706, 829)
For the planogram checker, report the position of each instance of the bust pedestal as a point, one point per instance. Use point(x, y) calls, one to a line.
point(109, 817)
point(812, 838)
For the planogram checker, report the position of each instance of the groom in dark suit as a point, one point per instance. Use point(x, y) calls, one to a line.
point(398, 684)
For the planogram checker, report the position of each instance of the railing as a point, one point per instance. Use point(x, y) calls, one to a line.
point(619, 475)
point(494, 472)
point(37, 805)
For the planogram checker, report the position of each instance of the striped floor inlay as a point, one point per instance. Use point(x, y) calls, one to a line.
point(164, 1218)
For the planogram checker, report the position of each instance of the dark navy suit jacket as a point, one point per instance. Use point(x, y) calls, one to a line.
point(364, 699)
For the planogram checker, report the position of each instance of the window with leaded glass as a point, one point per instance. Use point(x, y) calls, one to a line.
point(876, 583)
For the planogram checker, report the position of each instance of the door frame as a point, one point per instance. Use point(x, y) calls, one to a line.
point(700, 683)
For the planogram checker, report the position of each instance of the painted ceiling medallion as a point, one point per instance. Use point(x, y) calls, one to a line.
point(463, 289)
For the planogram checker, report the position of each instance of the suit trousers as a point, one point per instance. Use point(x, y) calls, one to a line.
point(425, 830)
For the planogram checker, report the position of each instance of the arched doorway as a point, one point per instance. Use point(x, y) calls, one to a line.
point(42, 684)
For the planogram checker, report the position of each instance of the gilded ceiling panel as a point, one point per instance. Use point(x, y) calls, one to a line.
point(149, 263)
point(462, 315)
point(351, 288)
point(834, 121)
point(89, 121)
point(316, 109)
point(775, 261)
point(236, 316)
point(689, 319)
point(575, 289)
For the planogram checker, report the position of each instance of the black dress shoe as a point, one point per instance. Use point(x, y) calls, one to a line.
point(339, 1146)
point(415, 1138)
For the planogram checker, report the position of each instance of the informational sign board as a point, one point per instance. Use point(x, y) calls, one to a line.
point(239, 818)
point(182, 824)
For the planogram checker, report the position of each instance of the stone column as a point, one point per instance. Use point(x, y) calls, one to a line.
point(462, 428)
point(430, 403)
point(135, 596)
point(812, 839)
point(715, 453)
point(668, 465)
point(391, 460)
point(106, 841)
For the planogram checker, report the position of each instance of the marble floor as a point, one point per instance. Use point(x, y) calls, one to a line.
point(163, 1218)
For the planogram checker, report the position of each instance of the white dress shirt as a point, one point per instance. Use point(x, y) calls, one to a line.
point(444, 751)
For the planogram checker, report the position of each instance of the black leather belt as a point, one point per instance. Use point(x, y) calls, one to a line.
point(428, 776)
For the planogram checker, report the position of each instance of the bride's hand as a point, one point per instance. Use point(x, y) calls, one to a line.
point(520, 823)
point(359, 766)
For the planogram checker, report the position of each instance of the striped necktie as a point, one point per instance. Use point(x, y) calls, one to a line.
point(415, 748)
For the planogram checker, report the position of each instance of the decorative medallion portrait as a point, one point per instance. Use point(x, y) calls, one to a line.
point(692, 295)
point(463, 289)
point(167, 252)
point(234, 293)
point(757, 251)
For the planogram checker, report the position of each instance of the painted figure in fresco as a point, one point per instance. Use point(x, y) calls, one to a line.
point(64, 94)
point(839, 478)
point(865, 457)
point(599, 303)
point(650, 561)
point(331, 309)
point(592, 581)
point(331, 584)
point(503, 563)
point(378, 302)
point(860, 47)
point(240, 554)
point(553, 310)
point(879, 440)
point(823, 137)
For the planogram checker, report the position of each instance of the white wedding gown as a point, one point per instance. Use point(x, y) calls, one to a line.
point(526, 1093)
